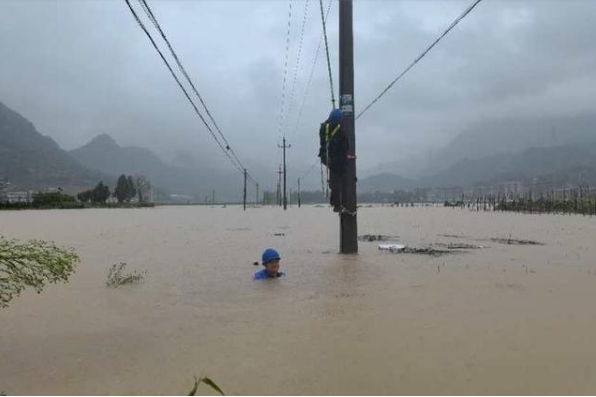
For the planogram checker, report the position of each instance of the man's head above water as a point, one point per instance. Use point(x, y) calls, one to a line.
point(270, 260)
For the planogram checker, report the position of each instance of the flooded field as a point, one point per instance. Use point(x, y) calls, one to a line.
point(500, 319)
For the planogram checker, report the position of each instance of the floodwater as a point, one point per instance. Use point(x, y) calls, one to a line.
point(504, 319)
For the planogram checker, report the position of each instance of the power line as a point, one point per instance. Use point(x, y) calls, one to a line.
point(312, 70)
point(283, 84)
point(142, 26)
point(153, 19)
point(453, 24)
point(327, 51)
point(292, 92)
point(312, 167)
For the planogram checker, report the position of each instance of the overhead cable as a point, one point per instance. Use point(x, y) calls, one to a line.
point(285, 74)
point(327, 52)
point(312, 70)
point(155, 22)
point(185, 92)
point(453, 24)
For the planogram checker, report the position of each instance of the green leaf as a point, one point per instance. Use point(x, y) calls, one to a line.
point(212, 384)
point(194, 389)
point(206, 380)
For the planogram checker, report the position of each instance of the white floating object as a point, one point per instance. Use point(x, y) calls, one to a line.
point(391, 247)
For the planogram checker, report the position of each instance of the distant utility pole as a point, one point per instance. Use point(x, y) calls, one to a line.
point(244, 200)
point(257, 202)
point(279, 172)
point(299, 199)
point(348, 222)
point(284, 147)
point(213, 197)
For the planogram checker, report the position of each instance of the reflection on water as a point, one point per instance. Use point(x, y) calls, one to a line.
point(371, 323)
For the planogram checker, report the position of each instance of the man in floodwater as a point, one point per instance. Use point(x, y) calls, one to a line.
point(333, 151)
point(271, 260)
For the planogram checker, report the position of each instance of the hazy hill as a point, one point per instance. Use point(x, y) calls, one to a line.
point(533, 163)
point(385, 182)
point(104, 154)
point(30, 160)
point(514, 136)
point(567, 164)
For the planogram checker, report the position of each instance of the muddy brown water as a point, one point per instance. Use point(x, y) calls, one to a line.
point(504, 319)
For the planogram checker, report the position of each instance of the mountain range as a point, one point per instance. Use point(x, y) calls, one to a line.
point(30, 160)
point(565, 153)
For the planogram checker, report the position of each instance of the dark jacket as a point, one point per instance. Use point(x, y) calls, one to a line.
point(335, 145)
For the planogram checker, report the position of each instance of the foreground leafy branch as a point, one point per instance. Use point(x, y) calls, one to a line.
point(32, 264)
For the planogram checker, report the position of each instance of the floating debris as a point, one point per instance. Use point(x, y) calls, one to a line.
point(279, 234)
point(452, 236)
point(376, 237)
point(401, 249)
point(390, 247)
point(459, 246)
point(512, 241)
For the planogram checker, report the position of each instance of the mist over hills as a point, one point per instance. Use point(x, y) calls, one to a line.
point(30, 160)
point(509, 151)
point(511, 136)
point(189, 178)
point(554, 149)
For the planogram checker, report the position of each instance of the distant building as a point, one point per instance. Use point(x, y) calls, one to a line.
point(18, 197)
point(180, 198)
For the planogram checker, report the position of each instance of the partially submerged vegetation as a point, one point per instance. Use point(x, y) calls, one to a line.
point(117, 276)
point(207, 381)
point(580, 200)
point(32, 264)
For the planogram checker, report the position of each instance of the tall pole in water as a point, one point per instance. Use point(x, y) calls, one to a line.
point(244, 199)
point(279, 172)
point(348, 221)
point(299, 198)
point(284, 147)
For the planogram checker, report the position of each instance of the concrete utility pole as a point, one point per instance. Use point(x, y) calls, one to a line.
point(348, 221)
point(299, 198)
point(284, 147)
point(279, 172)
point(244, 199)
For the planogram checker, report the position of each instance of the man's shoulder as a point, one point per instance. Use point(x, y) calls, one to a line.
point(260, 274)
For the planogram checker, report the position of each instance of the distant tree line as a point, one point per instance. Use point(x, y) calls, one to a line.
point(127, 189)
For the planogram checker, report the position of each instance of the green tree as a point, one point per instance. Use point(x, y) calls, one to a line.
point(122, 191)
point(85, 196)
point(143, 188)
point(32, 264)
point(132, 190)
point(52, 199)
point(100, 193)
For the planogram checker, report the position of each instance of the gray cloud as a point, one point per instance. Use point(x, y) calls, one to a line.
point(80, 68)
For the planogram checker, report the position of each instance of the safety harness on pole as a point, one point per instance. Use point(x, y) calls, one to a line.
point(328, 137)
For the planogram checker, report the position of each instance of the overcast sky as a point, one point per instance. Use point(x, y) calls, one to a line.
point(77, 69)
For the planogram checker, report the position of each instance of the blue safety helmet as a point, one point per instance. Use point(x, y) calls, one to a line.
point(335, 116)
point(270, 255)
